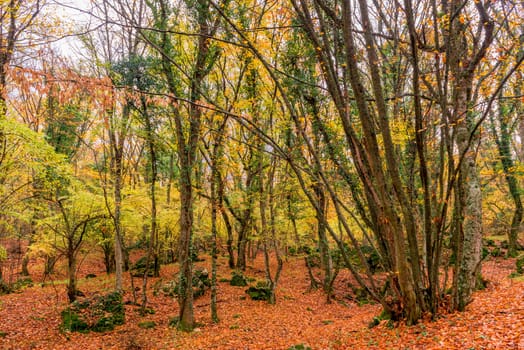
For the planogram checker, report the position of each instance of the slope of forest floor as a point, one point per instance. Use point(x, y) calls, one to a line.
point(30, 319)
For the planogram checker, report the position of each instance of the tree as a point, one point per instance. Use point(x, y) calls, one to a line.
point(187, 130)
point(71, 220)
point(118, 45)
point(25, 166)
point(16, 17)
point(336, 32)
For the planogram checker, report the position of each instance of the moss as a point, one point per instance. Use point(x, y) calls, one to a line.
point(139, 267)
point(5, 288)
point(200, 283)
point(496, 238)
point(173, 321)
point(73, 322)
point(299, 347)
point(147, 311)
point(259, 292)
point(519, 264)
point(238, 279)
point(99, 314)
point(112, 303)
point(496, 252)
point(147, 324)
point(519, 278)
point(384, 315)
point(489, 242)
point(485, 254)
point(104, 324)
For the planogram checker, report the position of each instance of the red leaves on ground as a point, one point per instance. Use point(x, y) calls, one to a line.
point(495, 319)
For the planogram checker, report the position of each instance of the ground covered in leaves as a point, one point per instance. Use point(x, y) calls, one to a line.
point(30, 318)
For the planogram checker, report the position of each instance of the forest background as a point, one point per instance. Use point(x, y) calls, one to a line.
point(380, 141)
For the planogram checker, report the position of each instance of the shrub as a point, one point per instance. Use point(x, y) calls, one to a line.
point(73, 322)
point(99, 314)
point(139, 267)
point(200, 283)
point(259, 292)
point(238, 279)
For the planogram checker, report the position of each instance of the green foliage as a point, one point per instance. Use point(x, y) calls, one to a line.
point(489, 242)
point(3, 253)
point(361, 296)
point(259, 292)
point(139, 267)
point(496, 252)
point(147, 324)
point(22, 283)
point(519, 264)
point(99, 314)
point(73, 322)
point(485, 254)
point(299, 347)
point(136, 72)
point(62, 132)
point(147, 311)
point(28, 163)
point(238, 279)
point(173, 321)
point(68, 220)
point(6, 288)
point(200, 284)
point(313, 259)
point(384, 315)
point(372, 257)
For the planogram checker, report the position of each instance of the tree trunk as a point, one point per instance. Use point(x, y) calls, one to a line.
point(215, 177)
point(185, 295)
point(323, 245)
point(503, 141)
point(229, 229)
point(71, 275)
point(118, 244)
point(462, 66)
point(188, 139)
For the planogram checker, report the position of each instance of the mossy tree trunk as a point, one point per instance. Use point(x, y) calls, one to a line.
point(463, 63)
point(187, 131)
point(503, 140)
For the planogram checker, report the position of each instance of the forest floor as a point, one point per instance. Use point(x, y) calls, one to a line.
point(30, 318)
